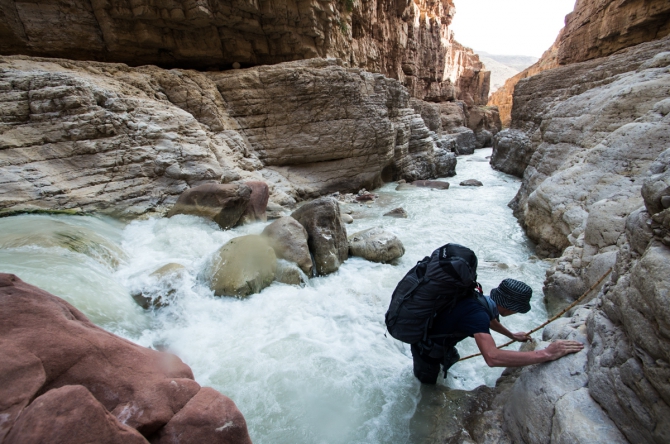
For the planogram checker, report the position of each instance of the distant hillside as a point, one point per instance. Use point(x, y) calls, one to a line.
point(518, 62)
point(503, 67)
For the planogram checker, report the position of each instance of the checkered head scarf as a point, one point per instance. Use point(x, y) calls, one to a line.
point(513, 295)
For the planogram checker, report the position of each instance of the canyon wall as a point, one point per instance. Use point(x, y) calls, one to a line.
point(408, 40)
point(106, 137)
point(590, 138)
point(596, 28)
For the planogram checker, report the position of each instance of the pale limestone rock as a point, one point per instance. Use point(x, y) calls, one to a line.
point(243, 266)
point(530, 409)
point(127, 141)
point(376, 245)
point(511, 152)
point(591, 151)
point(578, 419)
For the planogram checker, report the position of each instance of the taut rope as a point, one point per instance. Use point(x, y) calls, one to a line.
point(552, 319)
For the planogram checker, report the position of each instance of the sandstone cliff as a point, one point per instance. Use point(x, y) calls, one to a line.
point(503, 97)
point(107, 137)
point(596, 28)
point(408, 40)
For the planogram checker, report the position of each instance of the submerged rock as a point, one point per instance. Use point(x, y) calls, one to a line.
point(434, 184)
point(275, 211)
point(346, 218)
point(289, 240)
point(327, 237)
point(59, 373)
point(244, 265)
point(471, 183)
point(397, 212)
point(289, 273)
point(376, 245)
point(222, 203)
point(165, 279)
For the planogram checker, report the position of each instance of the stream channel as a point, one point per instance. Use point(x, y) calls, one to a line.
point(304, 365)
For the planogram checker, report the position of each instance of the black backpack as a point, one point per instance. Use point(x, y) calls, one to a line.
point(434, 284)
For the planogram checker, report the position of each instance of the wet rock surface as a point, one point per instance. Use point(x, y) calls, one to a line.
point(288, 238)
point(224, 204)
point(243, 266)
point(376, 245)
point(327, 237)
point(397, 212)
point(56, 360)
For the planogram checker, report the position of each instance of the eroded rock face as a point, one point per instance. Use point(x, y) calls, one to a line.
point(511, 152)
point(327, 237)
point(55, 359)
point(408, 40)
point(591, 143)
point(89, 136)
point(599, 28)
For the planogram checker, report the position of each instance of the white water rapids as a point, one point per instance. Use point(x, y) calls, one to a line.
point(304, 365)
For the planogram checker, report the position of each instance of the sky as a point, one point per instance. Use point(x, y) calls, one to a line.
point(510, 27)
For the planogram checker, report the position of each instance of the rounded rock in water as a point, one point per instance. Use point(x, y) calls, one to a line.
point(243, 266)
point(376, 245)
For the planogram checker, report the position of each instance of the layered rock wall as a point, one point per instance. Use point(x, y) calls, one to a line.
point(596, 28)
point(408, 40)
point(593, 128)
point(107, 137)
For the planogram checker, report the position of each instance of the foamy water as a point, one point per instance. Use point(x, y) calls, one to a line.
point(304, 365)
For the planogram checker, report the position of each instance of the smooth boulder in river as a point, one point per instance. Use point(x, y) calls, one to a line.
point(52, 353)
point(376, 245)
point(224, 204)
point(243, 266)
point(289, 240)
point(327, 237)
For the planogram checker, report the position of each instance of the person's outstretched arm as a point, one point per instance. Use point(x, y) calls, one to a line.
point(498, 327)
point(495, 357)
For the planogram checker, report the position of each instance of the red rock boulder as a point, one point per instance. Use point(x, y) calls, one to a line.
point(46, 344)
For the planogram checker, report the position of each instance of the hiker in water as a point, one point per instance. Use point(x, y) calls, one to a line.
point(439, 303)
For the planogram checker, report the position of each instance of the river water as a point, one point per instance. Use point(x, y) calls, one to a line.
point(304, 364)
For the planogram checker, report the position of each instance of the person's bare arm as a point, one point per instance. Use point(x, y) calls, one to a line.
point(495, 357)
point(495, 325)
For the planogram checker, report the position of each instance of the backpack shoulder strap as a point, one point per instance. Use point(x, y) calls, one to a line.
point(487, 306)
